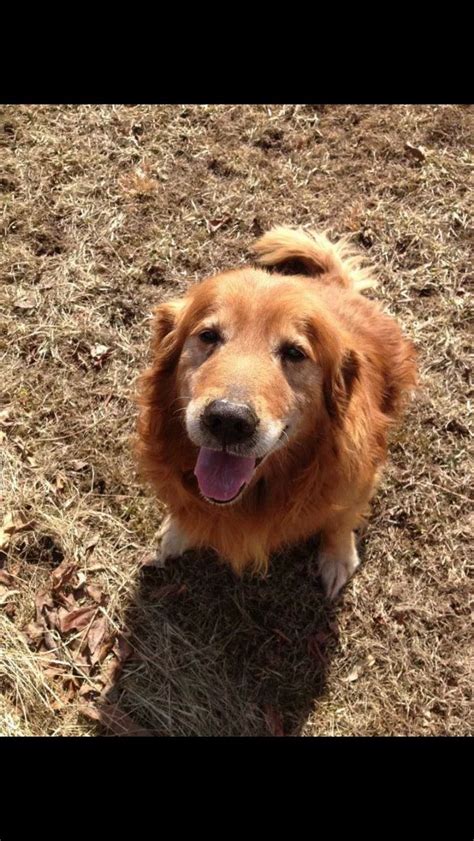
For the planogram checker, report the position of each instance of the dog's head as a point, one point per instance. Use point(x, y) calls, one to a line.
point(257, 362)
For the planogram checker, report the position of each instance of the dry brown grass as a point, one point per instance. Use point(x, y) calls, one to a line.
point(104, 212)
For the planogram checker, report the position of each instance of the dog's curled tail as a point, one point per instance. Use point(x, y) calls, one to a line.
point(295, 251)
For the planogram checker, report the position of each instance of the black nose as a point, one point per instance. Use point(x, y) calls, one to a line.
point(230, 423)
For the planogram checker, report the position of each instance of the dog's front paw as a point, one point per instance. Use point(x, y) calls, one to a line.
point(335, 570)
point(173, 542)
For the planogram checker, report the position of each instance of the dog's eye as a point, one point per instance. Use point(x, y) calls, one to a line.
point(292, 353)
point(209, 337)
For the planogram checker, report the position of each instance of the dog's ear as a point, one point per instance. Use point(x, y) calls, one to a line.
point(339, 384)
point(165, 339)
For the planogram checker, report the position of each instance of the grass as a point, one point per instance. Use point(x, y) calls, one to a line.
point(108, 210)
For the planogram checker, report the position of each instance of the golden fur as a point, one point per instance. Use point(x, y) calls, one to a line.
point(342, 401)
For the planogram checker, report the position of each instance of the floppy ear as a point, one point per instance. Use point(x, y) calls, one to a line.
point(339, 385)
point(165, 343)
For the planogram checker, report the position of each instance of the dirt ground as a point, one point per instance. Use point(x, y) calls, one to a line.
point(108, 210)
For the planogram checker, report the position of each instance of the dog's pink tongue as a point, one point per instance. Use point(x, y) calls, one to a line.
point(221, 475)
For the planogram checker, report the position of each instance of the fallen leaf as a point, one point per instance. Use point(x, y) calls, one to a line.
point(48, 661)
point(79, 580)
point(6, 579)
point(34, 632)
point(60, 482)
point(110, 675)
point(86, 689)
point(76, 681)
point(75, 620)
point(95, 636)
point(8, 524)
point(96, 593)
point(99, 354)
point(81, 663)
point(13, 522)
point(5, 415)
point(353, 675)
point(138, 182)
point(367, 237)
point(63, 573)
point(63, 613)
point(77, 464)
point(113, 719)
point(25, 302)
point(54, 669)
point(49, 641)
point(66, 600)
point(71, 686)
point(16, 521)
point(43, 600)
point(51, 618)
point(418, 152)
point(103, 651)
point(99, 350)
point(214, 224)
point(92, 542)
point(274, 720)
point(122, 649)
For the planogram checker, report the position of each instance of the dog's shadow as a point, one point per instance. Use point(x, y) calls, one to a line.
point(215, 655)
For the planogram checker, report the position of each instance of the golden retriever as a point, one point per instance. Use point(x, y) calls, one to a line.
point(265, 414)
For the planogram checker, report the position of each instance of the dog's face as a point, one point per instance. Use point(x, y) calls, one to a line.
point(257, 361)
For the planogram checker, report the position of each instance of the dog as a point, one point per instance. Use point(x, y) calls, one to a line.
point(265, 414)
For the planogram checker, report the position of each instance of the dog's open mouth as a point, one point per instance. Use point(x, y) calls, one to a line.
point(221, 475)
